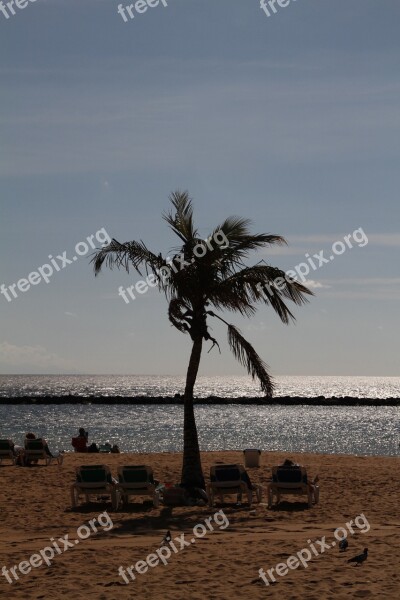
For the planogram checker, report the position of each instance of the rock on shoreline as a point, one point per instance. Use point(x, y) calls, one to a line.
point(178, 399)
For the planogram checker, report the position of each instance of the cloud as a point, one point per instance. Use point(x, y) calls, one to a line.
point(384, 239)
point(377, 239)
point(283, 250)
point(153, 125)
point(364, 288)
point(370, 281)
point(314, 285)
point(373, 294)
point(23, 359)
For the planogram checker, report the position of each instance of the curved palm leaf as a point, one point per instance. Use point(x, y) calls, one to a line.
point(241, 242)
point(181, 220)
point(134, 254)
point(248, 357)
point(259, 283)
point(180, 315)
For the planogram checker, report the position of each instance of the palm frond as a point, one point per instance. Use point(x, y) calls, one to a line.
point(125, 255)
point(275, 283)
point(180, 314)
point(240, 243)
point(181, 219)
point(241, 290)
point(248, 357)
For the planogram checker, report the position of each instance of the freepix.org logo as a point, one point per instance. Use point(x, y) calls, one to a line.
point(46, 271)
point(163, 554)
point(47, 554)
point(303, 557)
point(138, 8)
point(269, 6)
point(7, 8)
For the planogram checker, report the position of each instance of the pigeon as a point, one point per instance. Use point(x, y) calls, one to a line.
point(167, 538)
point(343, 545)
point(360, 558)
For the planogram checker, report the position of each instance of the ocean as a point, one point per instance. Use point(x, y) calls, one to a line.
point(137, 428)
point(226, 386)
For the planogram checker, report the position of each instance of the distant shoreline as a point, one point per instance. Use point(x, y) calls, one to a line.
point(211, 400)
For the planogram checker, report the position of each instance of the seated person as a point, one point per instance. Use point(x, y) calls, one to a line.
point(106, 447)
point(93, 447)
point(79, 442)
point(245, 477)
point(12, 446)
point(32, 436)
point(83, 433)
point(16, 450)
point(292, 466)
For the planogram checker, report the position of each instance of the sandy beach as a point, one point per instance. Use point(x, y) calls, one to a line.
point(225, 562)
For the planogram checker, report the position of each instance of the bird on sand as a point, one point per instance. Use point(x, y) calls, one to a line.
point(343, 544)
point(360, 558)
point(167, 538)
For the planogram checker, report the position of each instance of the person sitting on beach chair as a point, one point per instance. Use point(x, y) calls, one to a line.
point(231, 479)
point(291, 478)
point(32, 437)
point(7, 451)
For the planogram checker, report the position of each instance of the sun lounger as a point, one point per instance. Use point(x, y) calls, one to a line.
point(35, 451)
point(293, 481)
point(93, 480)
point(137, 481)
point(6, 451)
point(231, 479)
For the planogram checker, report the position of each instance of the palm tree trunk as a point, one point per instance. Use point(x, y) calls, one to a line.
point(192, 472)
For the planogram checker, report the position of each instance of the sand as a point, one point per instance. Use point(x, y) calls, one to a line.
point(35, 506)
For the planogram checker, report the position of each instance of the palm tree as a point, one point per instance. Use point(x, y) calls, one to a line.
point(201, 277)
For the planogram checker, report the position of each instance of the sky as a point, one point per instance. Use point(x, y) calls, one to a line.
point(291, 120)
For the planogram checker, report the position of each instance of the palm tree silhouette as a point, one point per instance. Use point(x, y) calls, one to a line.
point(201, 276)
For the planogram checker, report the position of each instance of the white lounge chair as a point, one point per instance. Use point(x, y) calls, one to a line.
point(231, 479)
point(291, 481)
point(35, 451)
point(137, 480)
point(6, 451)
point(94, 480)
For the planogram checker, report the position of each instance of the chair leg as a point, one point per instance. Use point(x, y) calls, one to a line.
point(259, 492)
point(210, 495)
point(114, 498)
point(269, 495)
point(156, 500)
point(73, 496)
